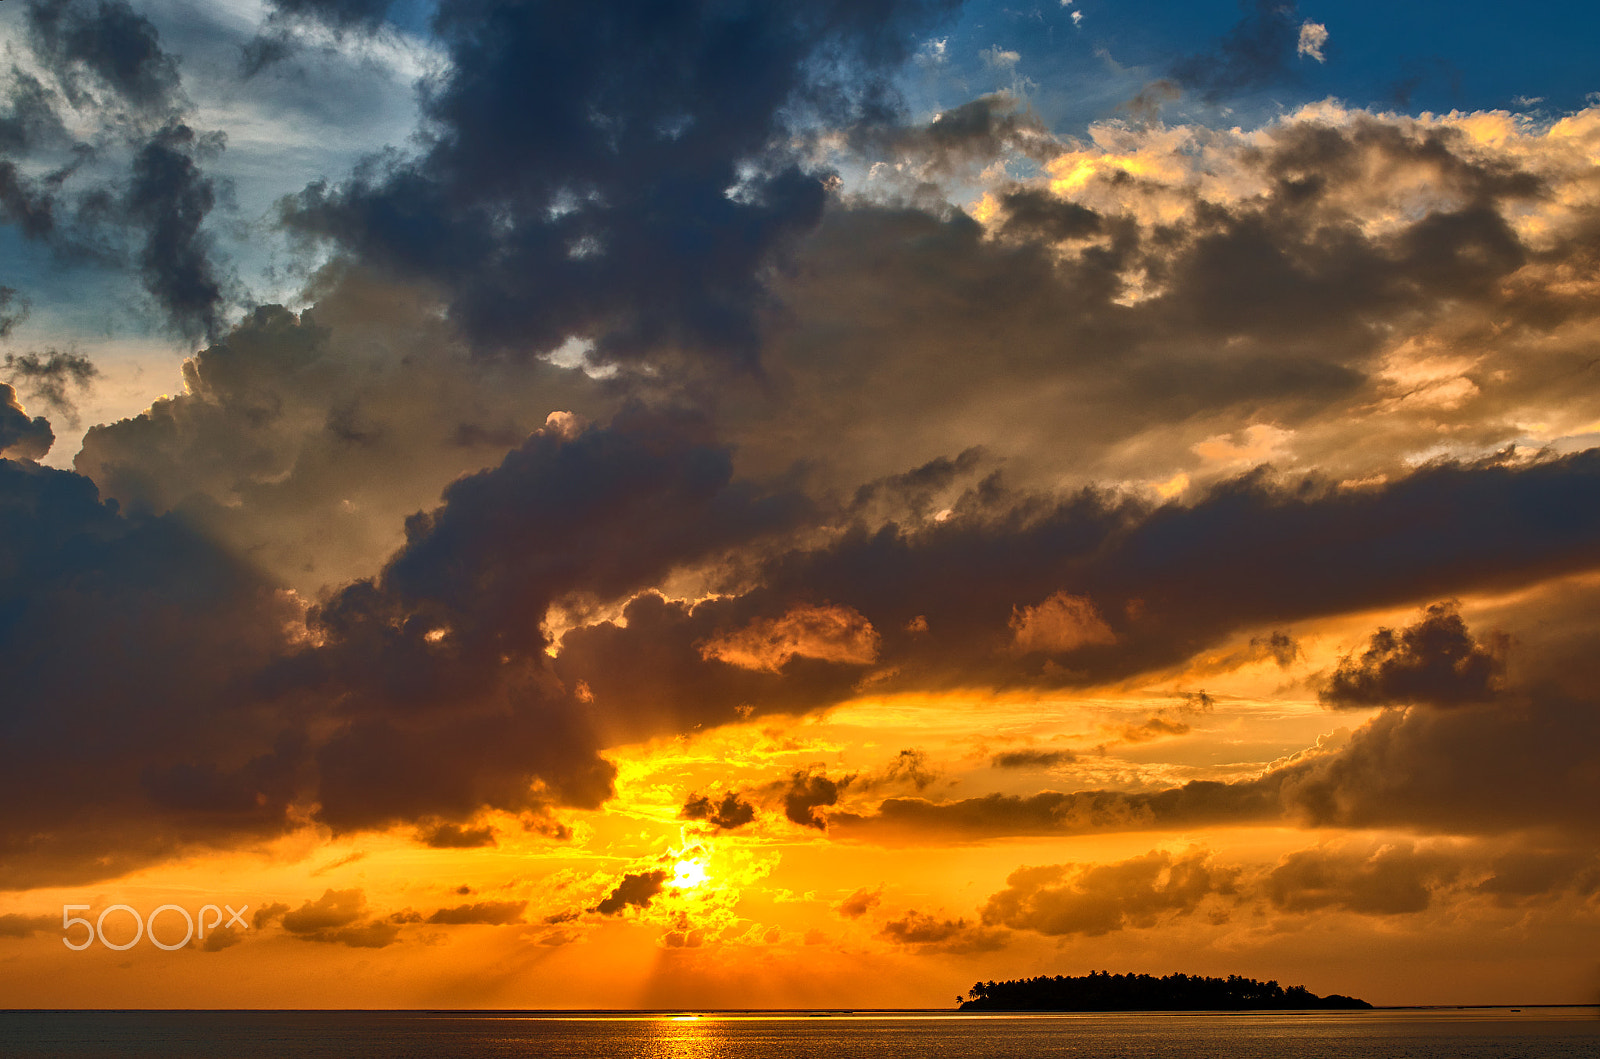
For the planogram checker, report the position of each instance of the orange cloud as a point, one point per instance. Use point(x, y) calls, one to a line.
point(829, 633)
point(1062, 622)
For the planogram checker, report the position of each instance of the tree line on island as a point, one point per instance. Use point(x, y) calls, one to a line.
point(1103, 991)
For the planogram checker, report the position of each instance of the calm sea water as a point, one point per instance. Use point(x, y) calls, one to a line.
point(1502, 1033)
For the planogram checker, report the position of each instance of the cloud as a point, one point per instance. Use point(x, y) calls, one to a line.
point(1157, 302)
point(15, 925)
point(454, 836)
point(999, 58)
point(1194, 804)
point(727, 814)
point(808, 792)
point(268, 914)
point(1521, 761)
point(1172, 578)
point(1150, 729)
point(13, 310)
point(1313, 38)
point(634, 889)
point(173, 624)
point(491, 913)
point(930, 934)
point(1255, 53)
point(1061, 623)
point(1027, 759)
point(909, 767)
point(343, 14)
point(598, 151)
point(109, 64)
point(335, 908)
point(825, 632)
point(21, 437)
point(1478, 769)
point(424, 727)
point(860, 903)
point(1091, 900)
point(306, 440)
point(440, 663)
point(959, 142)
point(169, 196)
point(1393, 880)
point(49, 377)
point(1435, 662)
point(111, 44)
point(337, 918)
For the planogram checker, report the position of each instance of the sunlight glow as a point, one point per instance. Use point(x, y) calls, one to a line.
point(687, 874)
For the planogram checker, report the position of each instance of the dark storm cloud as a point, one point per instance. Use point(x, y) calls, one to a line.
point(491, 913)
point(725, 814)
point(1258, 52)
point(342, 14)
point(1197, 804)
point(1435, 662)
point(909, 768)
point(1405, 878)
point(1103, 332)
point(29, 123)
point(108, 40)
point(1067, 899)
point(1036, 215)
point(959, 141)
point(30, 118)
point(439, 664)
point(172, 624)
point(454, 836)
point(275, 42)
point(592, 152)
point(445, 702)
point(306, 441)
point(1531, 873)
point(13, 925)
point(670, 672)
point(170, 196)
point(926, 933)
point(860, 903)
point(25, 204)
point(337, 917)
point(422, 695)
point(22, 437)
point(808, 792)
point(107, 58)
point(50, 377)
point(1394, 880)
point(1030, 759)
point(634, 889)
point(627, 156)
point(1524, 762)
point(13, 310)
point(1126, 587)
point(1472, 770)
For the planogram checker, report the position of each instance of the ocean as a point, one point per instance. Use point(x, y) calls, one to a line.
point(1501, 1033)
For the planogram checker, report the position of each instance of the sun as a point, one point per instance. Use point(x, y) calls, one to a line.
point(687, 874)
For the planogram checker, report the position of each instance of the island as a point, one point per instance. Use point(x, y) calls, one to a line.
point(1103, 991)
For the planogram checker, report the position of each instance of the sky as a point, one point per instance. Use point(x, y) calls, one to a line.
point(714, 504)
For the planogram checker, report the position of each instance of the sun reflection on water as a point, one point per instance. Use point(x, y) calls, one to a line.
point(689, 1037)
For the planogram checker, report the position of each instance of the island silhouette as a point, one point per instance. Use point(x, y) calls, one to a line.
point(1103, 991)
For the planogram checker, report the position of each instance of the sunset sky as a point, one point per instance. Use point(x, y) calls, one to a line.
point(725, 504)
